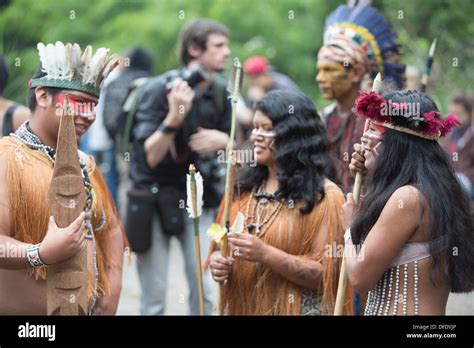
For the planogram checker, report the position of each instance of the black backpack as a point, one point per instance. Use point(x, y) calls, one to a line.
point(126, 119)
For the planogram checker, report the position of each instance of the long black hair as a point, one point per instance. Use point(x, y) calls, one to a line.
point(300, 149)
point(406, 159)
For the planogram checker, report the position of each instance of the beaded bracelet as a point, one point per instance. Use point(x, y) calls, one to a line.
point(33, 256)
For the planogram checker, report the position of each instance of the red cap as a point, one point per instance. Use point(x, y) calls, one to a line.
point(256, 65)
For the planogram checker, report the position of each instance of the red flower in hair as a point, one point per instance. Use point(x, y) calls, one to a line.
point(370, 105)
point(433, 125)
point(448, 123)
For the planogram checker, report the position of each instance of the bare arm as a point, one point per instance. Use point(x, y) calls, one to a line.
point(58, 244)
point(304, 272)
point(397, 223)
point(12, 253)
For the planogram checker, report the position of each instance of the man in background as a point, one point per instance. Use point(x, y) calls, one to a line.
point(183, 117)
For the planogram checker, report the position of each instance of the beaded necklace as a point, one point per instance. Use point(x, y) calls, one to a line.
point(258, 209)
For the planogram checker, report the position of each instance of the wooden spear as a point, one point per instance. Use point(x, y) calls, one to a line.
point(341, 287)
point(67, 281)
point(427, 71)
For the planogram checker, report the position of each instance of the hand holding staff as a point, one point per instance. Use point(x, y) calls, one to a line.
point(341, 288)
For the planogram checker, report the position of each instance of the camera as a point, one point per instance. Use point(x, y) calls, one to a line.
point(193, 76)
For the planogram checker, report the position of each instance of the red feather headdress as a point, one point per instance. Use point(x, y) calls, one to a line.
point(372, 105)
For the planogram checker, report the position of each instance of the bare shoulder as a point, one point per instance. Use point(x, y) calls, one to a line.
point(404, 208)
point(407, 196)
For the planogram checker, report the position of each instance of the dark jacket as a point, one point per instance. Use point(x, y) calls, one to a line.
point(206, 112)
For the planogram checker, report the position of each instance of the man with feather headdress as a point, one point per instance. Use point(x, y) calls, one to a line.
point(30, 239)
point(358, 44)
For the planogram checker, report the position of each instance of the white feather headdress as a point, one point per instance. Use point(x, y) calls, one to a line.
point(66, 66)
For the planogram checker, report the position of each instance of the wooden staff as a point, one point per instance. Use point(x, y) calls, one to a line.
point(235, 94)
point(341, 287)
point(67, 281)
point(235, 89)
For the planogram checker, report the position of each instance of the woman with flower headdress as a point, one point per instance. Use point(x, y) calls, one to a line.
point(283, 259)
point(413, 226)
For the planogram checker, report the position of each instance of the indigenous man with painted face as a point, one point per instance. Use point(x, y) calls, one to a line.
point(30, 239)
point(358, 43)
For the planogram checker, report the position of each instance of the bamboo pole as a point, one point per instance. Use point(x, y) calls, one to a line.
point(341, 287)
point(235, 89)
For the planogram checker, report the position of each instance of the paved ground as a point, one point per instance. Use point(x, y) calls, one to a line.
point(177, 294)
point(176, 300)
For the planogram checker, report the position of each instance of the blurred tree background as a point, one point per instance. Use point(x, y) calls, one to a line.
point(288, 32)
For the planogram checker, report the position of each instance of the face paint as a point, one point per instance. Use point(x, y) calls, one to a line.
point(265, 134)
point(333, 79)
point(372, 137)
point(76, 105)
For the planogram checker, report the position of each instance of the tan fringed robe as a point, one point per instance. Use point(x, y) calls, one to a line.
point(253, 289)
point(29, 174)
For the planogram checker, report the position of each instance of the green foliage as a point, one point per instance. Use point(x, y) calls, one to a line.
point(448, 21)
point(288, 32)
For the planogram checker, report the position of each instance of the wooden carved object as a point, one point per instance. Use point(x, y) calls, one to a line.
point(67, 281)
